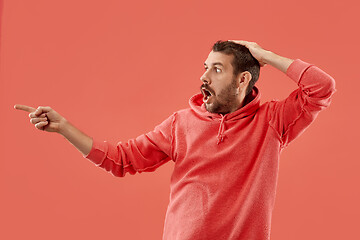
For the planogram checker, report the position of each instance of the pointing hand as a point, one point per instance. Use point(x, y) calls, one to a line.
point(44, 118)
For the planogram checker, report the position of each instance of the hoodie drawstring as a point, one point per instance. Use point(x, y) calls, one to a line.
point(221, 134)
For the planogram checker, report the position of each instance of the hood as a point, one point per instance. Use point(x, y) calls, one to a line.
point(198, 106)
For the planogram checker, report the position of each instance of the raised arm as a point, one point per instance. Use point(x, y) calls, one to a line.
point(292, 115)
point(47, 119)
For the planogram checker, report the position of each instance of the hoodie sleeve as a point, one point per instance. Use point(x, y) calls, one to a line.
point(142, 154)
point(291, 116)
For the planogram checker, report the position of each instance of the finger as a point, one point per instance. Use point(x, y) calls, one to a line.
point(40, 110)
point(37, 120)
point(240, 42)
point(40, 125)
point(24, 108)
point(36, 114)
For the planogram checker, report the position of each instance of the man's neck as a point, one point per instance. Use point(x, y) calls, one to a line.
point(246, 100)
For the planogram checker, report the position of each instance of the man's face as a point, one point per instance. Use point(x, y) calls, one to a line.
point(220, 88)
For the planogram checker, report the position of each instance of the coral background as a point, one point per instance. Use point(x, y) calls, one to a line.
point(115, 69)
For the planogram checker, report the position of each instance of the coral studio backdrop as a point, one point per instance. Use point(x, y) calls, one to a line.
point(115, 69)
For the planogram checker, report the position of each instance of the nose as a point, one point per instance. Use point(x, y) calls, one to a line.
point(204, 78)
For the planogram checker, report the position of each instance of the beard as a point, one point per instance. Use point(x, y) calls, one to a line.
point(225, 101)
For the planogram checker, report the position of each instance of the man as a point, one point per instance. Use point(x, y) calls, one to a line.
point(226, 146)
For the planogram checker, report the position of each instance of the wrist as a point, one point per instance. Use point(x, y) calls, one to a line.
point(268, 57)
point(277, 61)
point(63, 126)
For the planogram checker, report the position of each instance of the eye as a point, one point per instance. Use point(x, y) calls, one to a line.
point(218, 70)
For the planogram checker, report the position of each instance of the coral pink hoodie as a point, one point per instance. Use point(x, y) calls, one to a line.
point(226, 166)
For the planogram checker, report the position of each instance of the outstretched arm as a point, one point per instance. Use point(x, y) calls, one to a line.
point(142, 154)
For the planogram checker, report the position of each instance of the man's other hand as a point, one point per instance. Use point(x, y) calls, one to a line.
point(258, 52)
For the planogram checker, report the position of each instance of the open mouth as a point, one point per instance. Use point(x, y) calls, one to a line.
point(207, 95)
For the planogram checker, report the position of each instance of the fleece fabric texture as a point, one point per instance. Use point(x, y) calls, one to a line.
point(226, 166)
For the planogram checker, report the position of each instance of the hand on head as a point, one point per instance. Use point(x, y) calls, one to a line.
point(255, 50)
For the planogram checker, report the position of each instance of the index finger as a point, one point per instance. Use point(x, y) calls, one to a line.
point(24, 108)
point(240, 42)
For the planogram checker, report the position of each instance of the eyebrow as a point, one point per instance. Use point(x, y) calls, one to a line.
point(215, 63)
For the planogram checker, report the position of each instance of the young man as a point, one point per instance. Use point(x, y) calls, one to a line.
point(226, 146)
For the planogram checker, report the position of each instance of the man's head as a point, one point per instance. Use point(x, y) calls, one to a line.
point(230, 74)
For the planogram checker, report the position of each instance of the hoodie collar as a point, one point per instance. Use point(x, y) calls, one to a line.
point(198, 106)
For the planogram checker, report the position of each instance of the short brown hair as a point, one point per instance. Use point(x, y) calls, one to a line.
point(243, 60)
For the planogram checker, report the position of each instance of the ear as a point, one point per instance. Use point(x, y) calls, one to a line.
point(244, 78)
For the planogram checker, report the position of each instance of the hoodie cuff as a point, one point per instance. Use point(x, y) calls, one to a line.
point(297, 69)
point(98, 152)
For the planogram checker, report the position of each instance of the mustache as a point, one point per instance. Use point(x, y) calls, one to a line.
point(206, 87)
